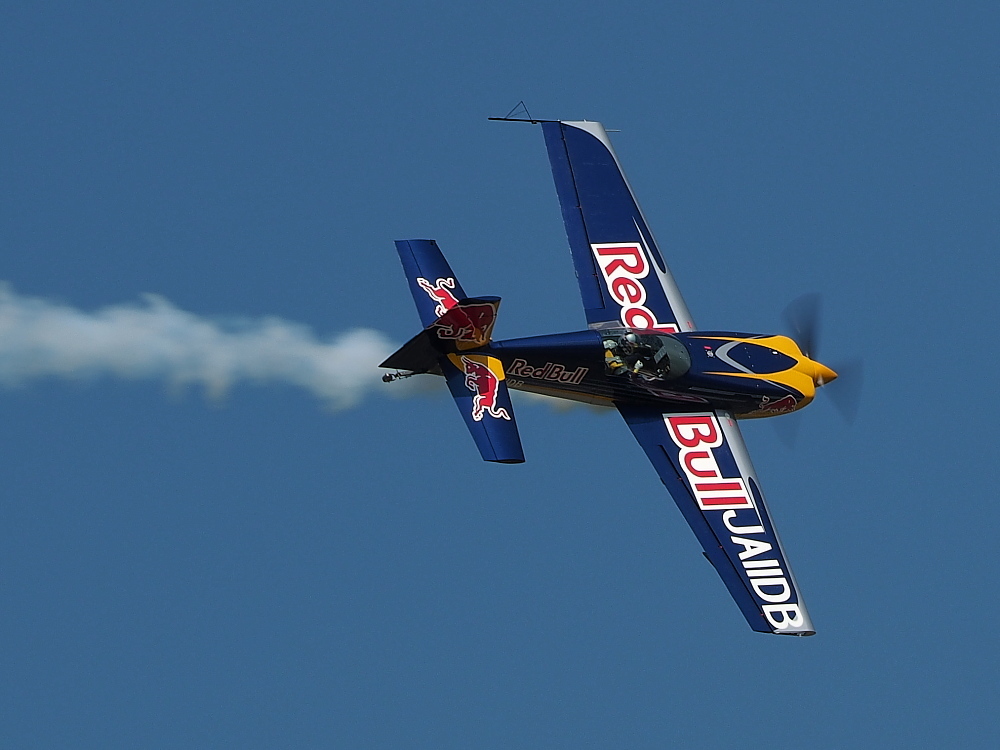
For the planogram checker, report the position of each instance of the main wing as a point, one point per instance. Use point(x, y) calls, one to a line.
point(623, 279)
point(703, 462)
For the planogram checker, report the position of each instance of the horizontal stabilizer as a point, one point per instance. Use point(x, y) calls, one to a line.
point(432, 283)
point(476, 381)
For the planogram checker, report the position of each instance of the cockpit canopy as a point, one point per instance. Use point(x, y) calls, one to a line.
point(651, 356)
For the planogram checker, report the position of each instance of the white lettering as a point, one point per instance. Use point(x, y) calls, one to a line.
point(791, 616)
point(727, 518)
point(696, 436)
point(760, 564)
point(760, 583)
point(751, 547)
point(765, 572)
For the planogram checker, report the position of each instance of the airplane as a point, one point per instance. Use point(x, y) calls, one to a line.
point(681, 390)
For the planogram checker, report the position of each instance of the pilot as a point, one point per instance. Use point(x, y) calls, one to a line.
point(629, 342)
point(631, 347)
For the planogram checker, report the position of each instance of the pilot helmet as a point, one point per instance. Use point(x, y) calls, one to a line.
point(629, 342)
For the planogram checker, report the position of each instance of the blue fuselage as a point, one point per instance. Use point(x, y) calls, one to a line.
point(703, 370)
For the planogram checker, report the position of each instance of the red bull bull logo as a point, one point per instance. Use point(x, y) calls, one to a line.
point(781, 406)
point(485, 384)
point(441, 292)
point(469, 322)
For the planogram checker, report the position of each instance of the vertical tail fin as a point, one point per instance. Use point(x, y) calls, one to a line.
point(466, 326)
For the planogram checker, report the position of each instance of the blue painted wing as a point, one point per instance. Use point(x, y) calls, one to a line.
point(623, 279)
point(703, 462)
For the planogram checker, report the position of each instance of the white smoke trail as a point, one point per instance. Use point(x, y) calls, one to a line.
point(154, 339)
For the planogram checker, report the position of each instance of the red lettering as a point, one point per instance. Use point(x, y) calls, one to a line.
point(628, 251)
point(718, 486)
point(638, 317)
point(627, 290)
point(696, 426)
point(622, 267)
point(711, 490)
point(691, 456)
point(738, 500)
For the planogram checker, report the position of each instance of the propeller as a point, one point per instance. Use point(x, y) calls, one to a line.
point(845, 391)
point(787, 427)
point(803, 316)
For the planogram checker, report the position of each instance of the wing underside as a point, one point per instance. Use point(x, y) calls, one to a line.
point(702, 460)
point(622, 276)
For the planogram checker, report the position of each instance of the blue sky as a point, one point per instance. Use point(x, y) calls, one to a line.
point(178, 571)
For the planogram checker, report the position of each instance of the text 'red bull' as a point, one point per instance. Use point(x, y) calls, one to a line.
point(696, 436)
point(482, 381)
point(624, 265)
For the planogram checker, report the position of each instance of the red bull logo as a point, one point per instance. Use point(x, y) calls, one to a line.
point(549, 371)
point(485, 384)
point(471, 322)
point(441, 292)
point(624, 265)
point(781, 406)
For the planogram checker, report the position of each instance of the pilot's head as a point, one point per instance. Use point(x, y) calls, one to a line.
point(629, 342)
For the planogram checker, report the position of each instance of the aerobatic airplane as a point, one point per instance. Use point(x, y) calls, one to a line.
point(681, 390)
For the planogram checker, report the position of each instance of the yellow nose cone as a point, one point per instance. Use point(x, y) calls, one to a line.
point(822, 374)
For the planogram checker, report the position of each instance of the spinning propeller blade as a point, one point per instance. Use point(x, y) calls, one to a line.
point(787, 428)
point(803, 317)
point(845, 391)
